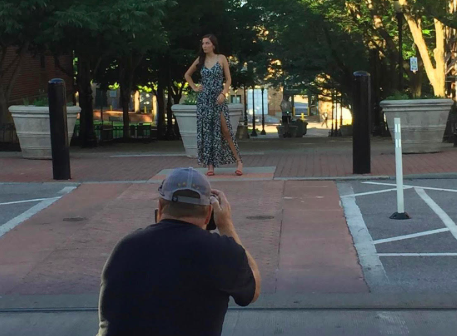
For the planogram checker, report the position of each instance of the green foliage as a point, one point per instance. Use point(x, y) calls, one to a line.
point(404, 96)
point(41, 101)
point(191, 98)
point(398, 96)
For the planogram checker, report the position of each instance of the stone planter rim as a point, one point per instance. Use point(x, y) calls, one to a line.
point(37, 109)
point(404, 102)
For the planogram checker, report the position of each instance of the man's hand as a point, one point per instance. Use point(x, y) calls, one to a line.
point(222, 209)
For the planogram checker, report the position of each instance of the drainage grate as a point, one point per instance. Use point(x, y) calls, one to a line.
point(74, 219)
point(260, 217)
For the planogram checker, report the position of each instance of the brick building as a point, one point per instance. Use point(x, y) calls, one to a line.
point(34, 74)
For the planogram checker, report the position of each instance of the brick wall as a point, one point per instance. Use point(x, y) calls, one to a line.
point(34, 75)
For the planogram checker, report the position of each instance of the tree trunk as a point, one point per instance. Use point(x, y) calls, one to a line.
point(7, 88)
point(416, 79)
point(170, 128)
point(3, 107)
point(435, 73)
point(161, 106)
point(125, 101)
point(125, 84)
point(87, 133)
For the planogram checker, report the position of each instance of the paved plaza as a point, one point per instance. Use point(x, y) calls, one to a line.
point(321, 235)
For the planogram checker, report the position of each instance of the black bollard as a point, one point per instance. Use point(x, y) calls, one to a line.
point(361, 155)
point(59, 129)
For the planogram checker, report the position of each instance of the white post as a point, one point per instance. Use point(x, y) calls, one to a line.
point(399, 167)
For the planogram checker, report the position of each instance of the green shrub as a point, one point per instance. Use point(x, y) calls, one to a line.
point(191, 98)
point(404, 96)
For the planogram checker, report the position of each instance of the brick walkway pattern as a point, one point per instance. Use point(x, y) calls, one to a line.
point(304, 157)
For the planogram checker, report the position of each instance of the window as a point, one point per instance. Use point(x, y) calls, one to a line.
point(235, 99)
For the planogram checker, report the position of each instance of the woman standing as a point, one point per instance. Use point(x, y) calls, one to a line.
point(215, 138)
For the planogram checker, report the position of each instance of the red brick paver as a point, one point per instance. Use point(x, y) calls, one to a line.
point(307, 157)
point(50, 254)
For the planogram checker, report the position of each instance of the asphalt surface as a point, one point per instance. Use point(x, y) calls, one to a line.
point(426, 259)
point(19, 201)
point(272, 322)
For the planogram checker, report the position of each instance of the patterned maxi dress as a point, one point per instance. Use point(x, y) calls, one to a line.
point(213, 149)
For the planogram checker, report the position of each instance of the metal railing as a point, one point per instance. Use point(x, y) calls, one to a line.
point(110, 132)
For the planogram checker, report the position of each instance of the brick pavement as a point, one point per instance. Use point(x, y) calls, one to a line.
point(305, 157)
point(62, 249)
point(299, 241)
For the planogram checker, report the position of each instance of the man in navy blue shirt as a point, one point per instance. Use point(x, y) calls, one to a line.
point(175, 278)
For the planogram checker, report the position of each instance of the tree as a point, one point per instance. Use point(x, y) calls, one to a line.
point(134, 28)
point(184, 26)
point(100, 32)
point(435, 66)
point(306, 48)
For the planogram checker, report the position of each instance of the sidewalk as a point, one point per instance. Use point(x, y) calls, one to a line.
point(294, 228)
point(301, 158)
point(62, 249)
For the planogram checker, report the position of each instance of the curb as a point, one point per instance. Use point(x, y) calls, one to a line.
point(345, 301)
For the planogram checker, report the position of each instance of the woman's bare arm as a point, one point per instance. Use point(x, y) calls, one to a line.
point(228, 76)
point(188, 76)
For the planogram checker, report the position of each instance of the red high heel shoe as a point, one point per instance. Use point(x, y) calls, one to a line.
point(238, 172)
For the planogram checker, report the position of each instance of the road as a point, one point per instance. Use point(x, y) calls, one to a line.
point(418, 255)
point(255, 322)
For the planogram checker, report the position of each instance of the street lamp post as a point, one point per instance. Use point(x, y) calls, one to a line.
point(336, 112)
point(399, 11)
point(263, 114)
point(254, 132)
point(245, 108)
point(341, 114)
point(332, 131)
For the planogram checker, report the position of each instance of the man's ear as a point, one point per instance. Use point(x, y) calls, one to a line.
point(208, 215)
point(160, 210)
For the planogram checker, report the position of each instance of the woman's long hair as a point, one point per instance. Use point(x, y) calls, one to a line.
point(202, 55)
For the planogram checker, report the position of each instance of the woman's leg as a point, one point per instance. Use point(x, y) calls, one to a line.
point(228, 137)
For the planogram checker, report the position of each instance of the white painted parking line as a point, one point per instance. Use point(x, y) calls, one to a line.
point(417, 254)
point(29, 201)
point(11, 224)
point(67, 190)
point(374, 192)
point(410, 236)
point(44, 203)
point(440, 212)
point(373, 269)
point(411, 186)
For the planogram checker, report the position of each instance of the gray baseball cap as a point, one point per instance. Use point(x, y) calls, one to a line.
point(186, 179)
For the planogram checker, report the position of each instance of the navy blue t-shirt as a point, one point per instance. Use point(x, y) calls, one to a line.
point(170, 279)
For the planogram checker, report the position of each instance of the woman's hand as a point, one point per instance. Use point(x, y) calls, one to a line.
point(221, 99)
point(198, 89)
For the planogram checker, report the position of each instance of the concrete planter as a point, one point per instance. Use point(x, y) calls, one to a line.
point(423, 122)
point(346, 130)
point(292, 130)
point(301, 127)
point(33, 129)
point(186, 115)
